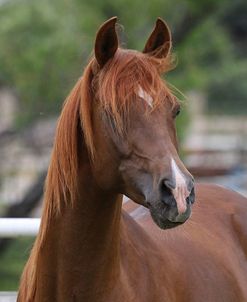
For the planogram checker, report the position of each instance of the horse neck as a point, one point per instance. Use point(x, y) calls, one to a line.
point(80, 251)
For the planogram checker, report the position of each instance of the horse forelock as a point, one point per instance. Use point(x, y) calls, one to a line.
point(118, 84)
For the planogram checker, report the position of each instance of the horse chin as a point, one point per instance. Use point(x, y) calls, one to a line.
point(164, 224)
point(162, 218)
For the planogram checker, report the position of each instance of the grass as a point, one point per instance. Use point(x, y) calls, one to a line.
point(12, 262)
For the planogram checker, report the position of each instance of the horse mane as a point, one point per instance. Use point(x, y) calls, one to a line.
point(113, 87)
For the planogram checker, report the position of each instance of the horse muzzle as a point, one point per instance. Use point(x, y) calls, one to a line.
point(166, 214)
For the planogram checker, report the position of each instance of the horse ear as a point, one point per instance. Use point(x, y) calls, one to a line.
point(106, 42)
point(160, 41)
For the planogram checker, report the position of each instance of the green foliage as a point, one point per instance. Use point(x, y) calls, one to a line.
point(228, 92)
point(211, 60)
point(43, 51)
point(12, 263)
point(206, 50)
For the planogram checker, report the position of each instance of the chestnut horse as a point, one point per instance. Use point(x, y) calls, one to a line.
point(116, 135)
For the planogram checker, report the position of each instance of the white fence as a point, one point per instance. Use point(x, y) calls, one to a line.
point(15, 227)
point(8, 296)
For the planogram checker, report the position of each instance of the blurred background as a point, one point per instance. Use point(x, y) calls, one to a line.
point(44, 46)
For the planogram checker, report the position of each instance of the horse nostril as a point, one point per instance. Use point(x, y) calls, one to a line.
point(170, 183)
point(190, 184)
point(166, 193)
point(191, 198)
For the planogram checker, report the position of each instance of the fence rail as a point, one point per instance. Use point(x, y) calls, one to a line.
point(15, 227)
point(8, 296)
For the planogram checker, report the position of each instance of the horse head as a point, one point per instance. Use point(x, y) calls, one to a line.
point(130, 125)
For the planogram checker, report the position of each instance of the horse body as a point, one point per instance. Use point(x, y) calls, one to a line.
point(205, 259)
point(87, 248)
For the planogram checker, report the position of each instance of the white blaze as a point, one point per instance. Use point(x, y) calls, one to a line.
point(180, 192)
point(145, 96)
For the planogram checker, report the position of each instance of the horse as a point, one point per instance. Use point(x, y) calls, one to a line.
point(116, 136)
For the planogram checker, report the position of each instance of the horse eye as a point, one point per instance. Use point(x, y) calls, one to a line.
point(176, 113)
